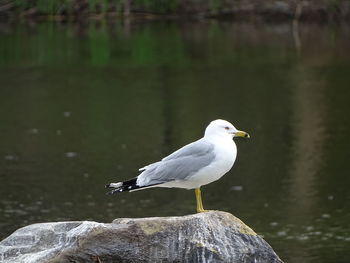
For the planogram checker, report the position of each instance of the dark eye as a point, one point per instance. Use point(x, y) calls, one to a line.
point(227, 128)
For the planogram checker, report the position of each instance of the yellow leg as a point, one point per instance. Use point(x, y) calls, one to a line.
point(200, 208)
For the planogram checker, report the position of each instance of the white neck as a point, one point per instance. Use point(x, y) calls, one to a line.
point(218, 137)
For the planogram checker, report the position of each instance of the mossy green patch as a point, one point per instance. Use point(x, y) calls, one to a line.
point(150, 228)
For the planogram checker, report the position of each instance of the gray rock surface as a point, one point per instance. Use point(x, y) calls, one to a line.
point(206, 237)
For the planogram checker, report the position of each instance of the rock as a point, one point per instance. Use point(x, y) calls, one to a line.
point(205, 237)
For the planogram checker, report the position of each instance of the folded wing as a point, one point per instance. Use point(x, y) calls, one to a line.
point(179, 165)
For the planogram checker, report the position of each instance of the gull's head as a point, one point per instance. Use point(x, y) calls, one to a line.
point(224, 129)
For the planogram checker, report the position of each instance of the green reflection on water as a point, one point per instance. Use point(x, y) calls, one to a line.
point(83, 105)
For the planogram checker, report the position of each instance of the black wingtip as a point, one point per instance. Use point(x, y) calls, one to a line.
point(107, 185)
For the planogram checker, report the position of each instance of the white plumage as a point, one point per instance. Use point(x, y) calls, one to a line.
point(196, 164)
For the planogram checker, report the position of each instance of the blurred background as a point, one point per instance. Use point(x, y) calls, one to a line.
point(82, 105)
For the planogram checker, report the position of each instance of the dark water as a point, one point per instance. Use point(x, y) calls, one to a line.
point(84, 105)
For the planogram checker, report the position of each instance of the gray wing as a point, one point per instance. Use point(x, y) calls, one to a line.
point(179, 165)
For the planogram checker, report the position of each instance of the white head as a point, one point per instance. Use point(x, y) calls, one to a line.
point(223, 128)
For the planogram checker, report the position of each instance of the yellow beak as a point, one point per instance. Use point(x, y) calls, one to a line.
point(242, 134)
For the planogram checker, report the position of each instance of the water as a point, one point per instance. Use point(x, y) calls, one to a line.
point(84, 105)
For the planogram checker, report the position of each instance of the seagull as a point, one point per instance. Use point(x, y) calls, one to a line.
point(192, 166)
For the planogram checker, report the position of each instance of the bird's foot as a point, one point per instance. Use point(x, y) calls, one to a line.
point(201, 210)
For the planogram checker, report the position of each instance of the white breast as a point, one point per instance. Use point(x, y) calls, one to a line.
point(226, 153)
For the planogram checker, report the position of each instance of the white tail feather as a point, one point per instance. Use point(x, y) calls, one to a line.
point(115, 185)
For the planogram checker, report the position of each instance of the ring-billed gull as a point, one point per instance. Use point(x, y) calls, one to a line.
point(198, 163)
